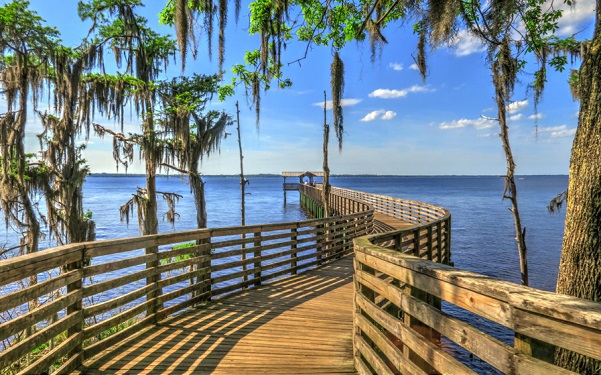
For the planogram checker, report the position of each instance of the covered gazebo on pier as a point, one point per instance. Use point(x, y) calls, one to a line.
point(303, 177)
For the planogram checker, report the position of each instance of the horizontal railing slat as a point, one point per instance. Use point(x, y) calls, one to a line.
point(436, 357)
point(24, 347)
point(40, 314)
point(32, 292)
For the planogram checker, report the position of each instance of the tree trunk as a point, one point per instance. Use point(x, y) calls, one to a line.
point(243, 180)
point(198, 190)
point(147, 215)
point(510, 191)
point(580, 265)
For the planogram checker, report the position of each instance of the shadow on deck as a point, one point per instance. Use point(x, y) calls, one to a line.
point(301, 324)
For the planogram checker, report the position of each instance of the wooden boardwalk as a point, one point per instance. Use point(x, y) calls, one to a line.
point(384, 223)
point(299, 325)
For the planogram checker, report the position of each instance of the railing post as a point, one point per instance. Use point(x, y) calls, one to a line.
point(346, 237)
point(429, 248)
point(447, 259)
point(204, 276)
point(257, 265)
point(439, 248)
point(294, 255)
point(320, 243)
point(153, 280)
point(76, 308)
point(416, 243)
point(398, 242)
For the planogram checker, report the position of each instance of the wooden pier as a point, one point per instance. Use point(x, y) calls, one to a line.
point(357, 291)
point(298, 325)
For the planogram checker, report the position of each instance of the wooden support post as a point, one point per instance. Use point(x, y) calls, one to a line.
point(447, 258)
point(429, 249)
point(76, 308)
point(531, 347)
point(416, 243)
point(345, 238)
point(414, 323)
point(294, 255)
point(426, 331)
point(320, 243)
point(398, 242)
point(439, 248)
point(243, 258)
point(204, 266)
point(257, 265)
point(153, 280)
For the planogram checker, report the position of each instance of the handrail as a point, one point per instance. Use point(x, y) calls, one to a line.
point(398, 315)
point(428, 234)
point(92, 295)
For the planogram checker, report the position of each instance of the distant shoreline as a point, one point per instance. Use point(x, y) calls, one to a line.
point(334, 175)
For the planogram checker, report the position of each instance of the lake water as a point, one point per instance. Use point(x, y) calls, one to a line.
point(482, 226)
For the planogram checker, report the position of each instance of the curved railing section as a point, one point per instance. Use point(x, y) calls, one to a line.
point(399, 320)
point(427, 232)
point(90, 296)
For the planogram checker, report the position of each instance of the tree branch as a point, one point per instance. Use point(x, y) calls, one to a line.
point(182, 171)
point(367, 17)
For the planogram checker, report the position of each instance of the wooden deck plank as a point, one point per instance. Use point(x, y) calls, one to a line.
point(301, 325)
point(384, 223)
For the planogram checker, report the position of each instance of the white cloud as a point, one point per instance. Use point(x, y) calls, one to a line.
point(390, 94)
point(516, 107)
point(373, 115)
point(561, 131)
point(396, 66)
point(465, 44)
point(344, 102)
point(537, 116)
point(379, 114)
point(515, 117)
point(414, 67)
point(479, 124)
point(572, 19)
point(389, 115)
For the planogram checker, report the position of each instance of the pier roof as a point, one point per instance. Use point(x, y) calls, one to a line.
point(302, 174)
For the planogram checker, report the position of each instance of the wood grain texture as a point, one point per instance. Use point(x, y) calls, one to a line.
point(300, 324)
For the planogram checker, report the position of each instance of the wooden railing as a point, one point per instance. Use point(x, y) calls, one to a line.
point(291, 185)
point(402, 209)
point(90, 296)
point(429, 237)
point(399, 320)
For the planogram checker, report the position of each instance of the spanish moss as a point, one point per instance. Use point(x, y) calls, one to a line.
point(337, 83)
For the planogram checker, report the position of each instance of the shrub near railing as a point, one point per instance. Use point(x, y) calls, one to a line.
point(94, 294)
point(396, 321)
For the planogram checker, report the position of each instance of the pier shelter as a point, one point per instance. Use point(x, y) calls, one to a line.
point(308, 177)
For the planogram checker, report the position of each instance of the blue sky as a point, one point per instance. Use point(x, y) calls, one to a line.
point(394, 123)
